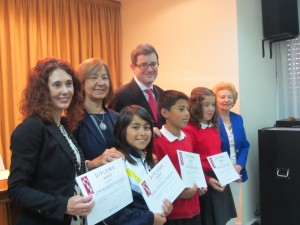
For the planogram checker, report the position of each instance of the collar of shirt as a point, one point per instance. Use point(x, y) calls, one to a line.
point(204, 125)
point(170, 136)
point(141, 85)
point(136, 153)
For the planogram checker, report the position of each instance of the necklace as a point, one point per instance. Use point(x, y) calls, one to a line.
point(95, 122)
point(76, 154)
point(102, 125)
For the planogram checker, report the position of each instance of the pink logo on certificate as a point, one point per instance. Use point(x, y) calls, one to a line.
point(212, 163)
point(181, 158)
point(87, 185)
point(146, 188)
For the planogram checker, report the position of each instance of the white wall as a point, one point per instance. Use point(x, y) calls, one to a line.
point(196, 40)
point(202, 42)
point(257, 92)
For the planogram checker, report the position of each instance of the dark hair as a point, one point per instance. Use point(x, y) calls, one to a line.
point(142, 49)
point(90, 67)
point(36, 96)
point(195, 106)
point(120, 131)
point(168, 99)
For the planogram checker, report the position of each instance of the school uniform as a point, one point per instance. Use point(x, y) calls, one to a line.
point(168, 144)
point(216, 207)
point(137, 212)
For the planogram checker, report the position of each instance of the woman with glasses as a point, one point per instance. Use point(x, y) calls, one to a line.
point(141, 90)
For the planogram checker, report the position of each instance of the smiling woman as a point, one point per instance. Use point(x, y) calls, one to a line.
point(233, 136)
point(43, 142)
point(95, 131)
point(61, 91)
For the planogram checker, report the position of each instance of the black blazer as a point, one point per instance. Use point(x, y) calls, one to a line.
point(131, 94)
point(42, 173)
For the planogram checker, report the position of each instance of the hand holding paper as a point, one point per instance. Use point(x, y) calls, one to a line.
point(110, 188)
point(191, 169)
point(162, 182)
point(223, 168)
point(189, 192)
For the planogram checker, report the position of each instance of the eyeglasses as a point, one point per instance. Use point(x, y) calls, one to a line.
point(144, 66)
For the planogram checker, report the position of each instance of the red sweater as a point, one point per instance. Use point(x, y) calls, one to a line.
point(206, 142)
point(182, 208)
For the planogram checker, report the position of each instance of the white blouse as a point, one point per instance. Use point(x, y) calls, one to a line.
point(230, 136)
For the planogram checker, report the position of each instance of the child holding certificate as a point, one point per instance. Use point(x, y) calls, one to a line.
point(133, 135)
point(173, 108)
point(217, 206)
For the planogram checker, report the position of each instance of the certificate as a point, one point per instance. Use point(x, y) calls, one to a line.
point(191, 169)
point(162, 182)
point(223, 168)
point(110, 188)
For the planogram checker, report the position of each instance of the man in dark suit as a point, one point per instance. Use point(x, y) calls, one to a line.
point(144, 64)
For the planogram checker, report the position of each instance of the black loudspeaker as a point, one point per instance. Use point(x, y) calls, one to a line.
point(279, 17)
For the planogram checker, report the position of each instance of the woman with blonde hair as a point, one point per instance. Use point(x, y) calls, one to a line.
point(232, 133)
point(95, 132)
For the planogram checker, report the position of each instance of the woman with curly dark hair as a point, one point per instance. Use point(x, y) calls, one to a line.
point(45, 156)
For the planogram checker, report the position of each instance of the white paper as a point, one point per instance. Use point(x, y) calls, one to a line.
point(4, 174)
point(110, 187)
point(162, 182)
point(223, 168)
point(191, 169)
point(1, 164)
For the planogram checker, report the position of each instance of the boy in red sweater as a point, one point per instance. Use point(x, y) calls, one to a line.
point(173, 108)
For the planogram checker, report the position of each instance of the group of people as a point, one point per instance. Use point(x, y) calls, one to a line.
point(75, 122)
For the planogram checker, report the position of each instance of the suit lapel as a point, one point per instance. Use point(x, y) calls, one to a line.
point(54, 130)
point(139, 96)
point(234, 125)
point(156, 92)
point(223, 134)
